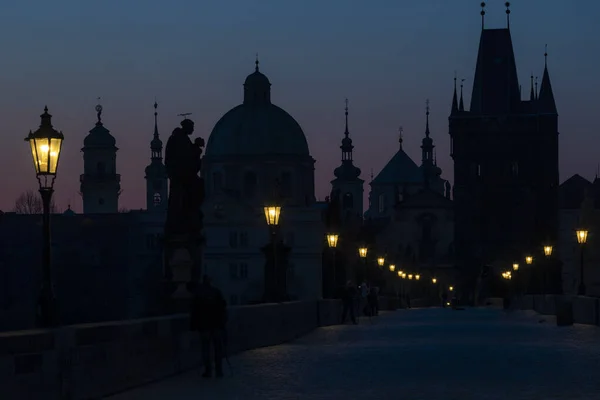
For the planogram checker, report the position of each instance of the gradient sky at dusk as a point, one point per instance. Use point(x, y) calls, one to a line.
point(386, 56)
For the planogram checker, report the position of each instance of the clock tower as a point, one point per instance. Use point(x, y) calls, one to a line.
point(156, 174)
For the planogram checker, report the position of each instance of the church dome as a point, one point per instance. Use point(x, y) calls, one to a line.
point(257, 127)
point(347, 171)
point(99, 137)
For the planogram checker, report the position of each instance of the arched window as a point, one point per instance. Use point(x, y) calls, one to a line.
point(348, 201)
point(249, 184)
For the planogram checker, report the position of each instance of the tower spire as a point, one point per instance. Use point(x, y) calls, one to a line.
point(454, 98)
point(427, 118)
point(99, 112)
point(400, 130)
point(545, 56)
point(155, 119)
point(547, 104)
point(346, 132)
point(256, 63)
point(482, 14)
point(461, 105)
point(507, 4)
point(536, 88)
point(531, 92)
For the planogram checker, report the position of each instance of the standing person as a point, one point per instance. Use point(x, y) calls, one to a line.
point(372, 299)
point(348, 296)
point(208, 317)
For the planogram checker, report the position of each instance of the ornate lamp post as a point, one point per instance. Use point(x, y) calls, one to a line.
point(582, 235)
point(332, 240)
point(46, 143)
point(274, 281)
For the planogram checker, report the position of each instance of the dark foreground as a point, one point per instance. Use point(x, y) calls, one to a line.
point(411, 354)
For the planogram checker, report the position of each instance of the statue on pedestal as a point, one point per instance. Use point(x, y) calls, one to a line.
point(183, 227)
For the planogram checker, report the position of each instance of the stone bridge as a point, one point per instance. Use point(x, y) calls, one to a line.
point(428, 353)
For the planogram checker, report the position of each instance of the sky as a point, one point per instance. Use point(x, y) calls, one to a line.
point(387, 57)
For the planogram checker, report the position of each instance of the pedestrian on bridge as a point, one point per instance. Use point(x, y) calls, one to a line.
point(348, 299)
point(208, 317)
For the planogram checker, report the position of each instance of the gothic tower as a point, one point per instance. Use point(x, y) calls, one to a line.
point(156, 173)
point(100, 183)
point(347, 184)
point(505, 153)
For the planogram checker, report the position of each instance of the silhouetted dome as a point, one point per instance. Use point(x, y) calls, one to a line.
point(347, 171)
point(68, 212)
point(99, 137)
point(256, 127)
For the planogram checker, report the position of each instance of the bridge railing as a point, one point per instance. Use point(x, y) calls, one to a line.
point(581, 309)
point(90, 361)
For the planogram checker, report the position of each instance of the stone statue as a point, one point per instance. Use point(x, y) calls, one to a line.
point(183, 227)
point(186, 190)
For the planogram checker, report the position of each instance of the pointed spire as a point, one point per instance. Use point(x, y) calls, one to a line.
point(507, 4)
point(256, 63)
point(482, 14)
point(155, 119)
point(346, 132)
point(531, 92)
point(454, 98)
point(400, 139)
point(547, 105)
point(427, 118)
point(536, 88)
point(461, 105)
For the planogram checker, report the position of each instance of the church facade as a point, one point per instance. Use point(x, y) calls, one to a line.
point(255, 154)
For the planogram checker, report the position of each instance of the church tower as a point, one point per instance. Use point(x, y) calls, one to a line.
point(156, 173)
point(505, 152)
point(347, 184)
point(431, 172)
point(100, 183)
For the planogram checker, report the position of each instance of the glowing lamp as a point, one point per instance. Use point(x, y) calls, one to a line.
point(529, 260)
point(548, 250)
point(410, 276)
point(381, 261)
point(451, 288)
point(272, 214)
point(393, 267)
point(417, 277)
point(362, 252)
point(45, 143)
point(516, 266)
point(332, 239)
point(582, 235)
point(433, 280)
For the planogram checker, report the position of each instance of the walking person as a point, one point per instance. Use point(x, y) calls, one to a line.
point(348, 297)
point(208, 317)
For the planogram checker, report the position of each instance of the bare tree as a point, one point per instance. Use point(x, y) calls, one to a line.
point(30, 202)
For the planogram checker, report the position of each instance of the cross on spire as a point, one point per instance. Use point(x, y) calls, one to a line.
point(400, 139)
point(346, 114)
point(256, 63)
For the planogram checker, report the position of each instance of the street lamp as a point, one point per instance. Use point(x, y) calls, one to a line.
point(332, 239)
point(46, 143)
point(547, 251)
point(381, 261)
point(417, 277)
point(433, 280)
point(274, 282)
point(393, 267)
point(529, 260)
point(410, 276)
point(362, 252)
point(516, 266)
point(400, 274)
point(451, 288)
point(582, 235)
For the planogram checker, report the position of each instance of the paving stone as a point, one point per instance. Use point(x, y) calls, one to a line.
point(413, 354)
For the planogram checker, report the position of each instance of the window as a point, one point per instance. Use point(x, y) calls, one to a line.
point(250, 184)
point(233, 271)
point(217, 181)
point(243, 271)
point(243, 239)
point(156, 199)
point(233, 300)
point(382, 203)
point(233, 240)
point(514, 168)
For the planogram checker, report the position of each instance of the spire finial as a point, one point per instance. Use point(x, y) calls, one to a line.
point(46, 109)
point(545, 56)
point(256, 63)
point(531, 92)
point(461, 104)
point(427, 118)
point(346, 114)
point(99, 111)
point(400, 130)
point(482, 14)
point(155, 118)
point(507, 4)
point(536, 85)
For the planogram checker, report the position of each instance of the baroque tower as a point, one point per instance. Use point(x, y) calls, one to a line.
point(505, 153)
point(100, 183)
point(347, 184)
point(156, 173)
